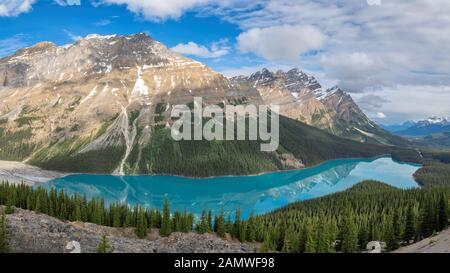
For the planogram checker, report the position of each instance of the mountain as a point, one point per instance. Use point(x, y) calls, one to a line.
point(425, 127)
point(102, 105)
point(393, 128)
point(302, 98)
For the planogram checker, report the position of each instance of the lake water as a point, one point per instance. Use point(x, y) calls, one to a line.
point(259, 194)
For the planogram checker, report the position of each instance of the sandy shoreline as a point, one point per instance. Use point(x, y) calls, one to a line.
point(18, 172)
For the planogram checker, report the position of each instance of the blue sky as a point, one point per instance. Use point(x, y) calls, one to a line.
point(392, 56)
point(63, 24)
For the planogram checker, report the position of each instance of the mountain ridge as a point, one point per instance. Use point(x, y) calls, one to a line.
point(102, 105)
point(422, 127)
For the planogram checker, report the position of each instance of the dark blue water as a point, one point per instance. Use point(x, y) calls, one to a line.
point(259, 194)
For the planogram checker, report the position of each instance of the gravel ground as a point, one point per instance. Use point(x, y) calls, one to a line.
point(37, 233)
point(18, 172)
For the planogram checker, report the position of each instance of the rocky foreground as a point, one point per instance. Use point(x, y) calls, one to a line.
point(435, 244)
point(30, 232)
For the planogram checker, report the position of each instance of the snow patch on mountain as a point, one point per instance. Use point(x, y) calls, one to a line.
point(140, 88)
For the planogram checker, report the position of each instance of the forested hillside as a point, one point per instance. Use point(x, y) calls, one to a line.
point(342, 222)
point(347, 221)
point(163, 155)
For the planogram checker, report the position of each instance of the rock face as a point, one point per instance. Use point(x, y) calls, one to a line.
point(301, 97)
point(95, 105)
point(436, 244)
point(102, 93)
point(37, 233)
point(294, 92)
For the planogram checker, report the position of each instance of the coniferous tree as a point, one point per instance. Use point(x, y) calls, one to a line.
point(4, 239)
point(209, 221)
point(103, 246)
point(410, 226)
point(287, 244)
point(251, 229)
point(220, 223)
point(310, 238)
point(204, 226)
point(323, 236)
point(10, 203)
point(141, 225)
point(428, 220)
point(443, 212)
point(229, 225)
point(166, 226)
point(237, 224)
point(349, 234)
point(389, 235)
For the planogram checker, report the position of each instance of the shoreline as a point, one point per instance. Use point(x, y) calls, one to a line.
point(16, 172)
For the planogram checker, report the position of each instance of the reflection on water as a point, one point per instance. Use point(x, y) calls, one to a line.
point(250, 193)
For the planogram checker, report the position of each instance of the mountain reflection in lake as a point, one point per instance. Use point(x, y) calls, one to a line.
point(259, 194)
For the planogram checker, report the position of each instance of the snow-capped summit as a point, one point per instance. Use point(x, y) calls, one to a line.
point(322, 94)
point(434, 120)
point(424, 127)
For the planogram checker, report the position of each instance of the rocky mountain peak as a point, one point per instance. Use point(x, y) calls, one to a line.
point(434, 120)
point(263, 77)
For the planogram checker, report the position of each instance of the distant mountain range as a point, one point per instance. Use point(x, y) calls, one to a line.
point(425, 127)
point(103, 103)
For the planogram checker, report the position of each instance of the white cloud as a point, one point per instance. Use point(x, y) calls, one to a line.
point(354, 71)
point(68, 2)
point(102, 23)
point(406, 102)
point(72, 36)
point(381, 115)
point(284, 42)
point(191, 48)
point(158, 10)
point(10, 8)
point(409, 37)
point(12, 44)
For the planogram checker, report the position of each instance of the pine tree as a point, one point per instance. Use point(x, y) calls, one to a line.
point(10, 203)
point(287, 244)
point(349, 234)
point(389, 234)
point(221, 224)
point(209, 221)
point(310, 238)
point(4, 240)
point(202, 226)
point(323, 237)
point(141, 225)
point(103, 246)
point(166, 227)
point(428, 220)
point(237, 224)
point(251, 229)
point(410, 226)
point(443, 212)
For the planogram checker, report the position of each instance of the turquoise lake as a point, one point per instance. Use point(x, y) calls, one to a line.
point(259, 194)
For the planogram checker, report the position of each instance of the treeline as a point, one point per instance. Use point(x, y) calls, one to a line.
point(435, 171)
point(15, 145)
point(203, 158)
point(347, 221)
point(64, 156)
point(76, 208)
point(434, 174)
point(67, 207)
point(342, 222)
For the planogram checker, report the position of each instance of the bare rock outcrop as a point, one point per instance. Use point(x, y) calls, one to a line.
point(30, 232)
